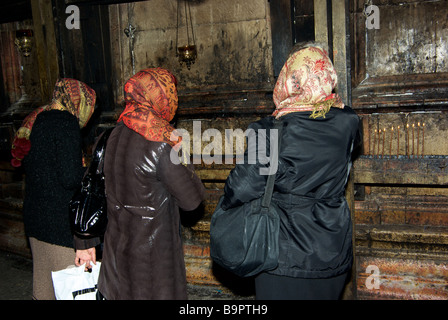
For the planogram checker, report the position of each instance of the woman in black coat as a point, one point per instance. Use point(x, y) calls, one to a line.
point(315, 158)
point(50, 146)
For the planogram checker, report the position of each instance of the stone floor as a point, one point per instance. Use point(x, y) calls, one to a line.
point(16, 277)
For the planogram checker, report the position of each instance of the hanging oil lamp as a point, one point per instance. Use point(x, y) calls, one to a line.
point(187, 53)
point(24, 41)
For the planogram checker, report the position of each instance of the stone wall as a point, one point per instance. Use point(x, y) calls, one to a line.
point(398, 78)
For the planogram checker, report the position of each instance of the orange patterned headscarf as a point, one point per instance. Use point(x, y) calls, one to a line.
point(151, 103)
point(69, 95)
point(305, 83)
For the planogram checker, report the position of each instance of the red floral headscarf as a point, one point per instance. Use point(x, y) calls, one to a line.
point(69, 95)
point(151, 103)
point(305, 83)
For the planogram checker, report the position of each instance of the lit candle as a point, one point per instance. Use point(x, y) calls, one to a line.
point(413, 140)
point(390, 142)
point(423, 140)
point(379, 142)
point(374, 140)
point(384, 136)
point(418, 136)
point(398, 144)
point(407, 134)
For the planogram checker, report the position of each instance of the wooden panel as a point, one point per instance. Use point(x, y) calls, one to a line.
point(304, 23)
point(321, 21)
point(10, 66)
point(340, 48)
point(212, 103)
point(282, 32)
point(403, 208)
point(404, 170)
point(45, 46)
point(85, 52)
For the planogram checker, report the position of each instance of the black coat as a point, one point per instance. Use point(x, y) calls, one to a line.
point(313, 168)
point(53, 171)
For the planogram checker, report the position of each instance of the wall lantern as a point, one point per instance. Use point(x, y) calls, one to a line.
point(24, 41)
point(186, 53)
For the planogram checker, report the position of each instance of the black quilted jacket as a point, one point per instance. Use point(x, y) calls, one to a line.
point(315, 158)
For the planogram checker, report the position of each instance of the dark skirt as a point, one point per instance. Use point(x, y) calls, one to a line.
point(274, 287)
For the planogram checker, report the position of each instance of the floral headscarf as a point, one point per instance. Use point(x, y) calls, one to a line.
point(151, 103)
point(69, 95)
point(305, 83)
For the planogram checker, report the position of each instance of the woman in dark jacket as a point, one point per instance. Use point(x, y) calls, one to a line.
point(314, 163)
point(143, 253)
point(50, 145)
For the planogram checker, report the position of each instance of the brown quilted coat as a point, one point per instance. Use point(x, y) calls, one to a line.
point(143, 255)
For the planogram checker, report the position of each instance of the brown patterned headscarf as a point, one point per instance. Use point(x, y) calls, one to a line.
point(69, 95)
point(305, 83)
point(151, 103)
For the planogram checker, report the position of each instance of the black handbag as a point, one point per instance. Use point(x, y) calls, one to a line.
point(244, 239)
point(88, 206)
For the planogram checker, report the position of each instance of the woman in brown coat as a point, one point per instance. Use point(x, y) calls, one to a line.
point(143, 255)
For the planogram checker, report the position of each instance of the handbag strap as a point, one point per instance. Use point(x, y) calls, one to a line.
point(278, 125)
point(96, 167)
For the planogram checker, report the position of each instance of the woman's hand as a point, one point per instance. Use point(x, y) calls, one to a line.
point(85, 256)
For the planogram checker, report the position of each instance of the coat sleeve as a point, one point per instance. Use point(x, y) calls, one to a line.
point(83, 244)
point(181, 181)
point(246, 181)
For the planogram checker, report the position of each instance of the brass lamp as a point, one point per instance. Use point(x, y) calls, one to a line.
point(187, 54)
point(24, 41)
